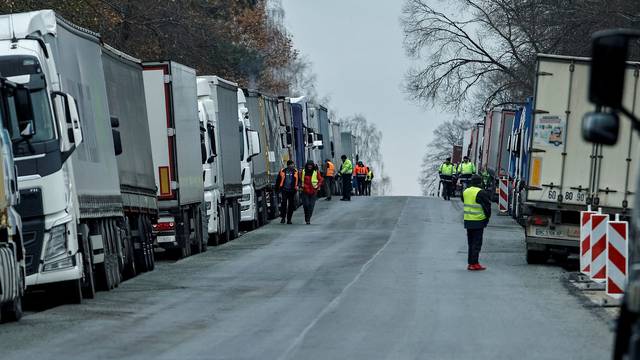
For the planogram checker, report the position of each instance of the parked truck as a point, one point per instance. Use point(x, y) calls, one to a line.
point(252, 202)
point(519, 153)
point(128, 114)
point(223, 153)
point(566, 173)
point(71, 203)
point(170, 90)
point(12, 252)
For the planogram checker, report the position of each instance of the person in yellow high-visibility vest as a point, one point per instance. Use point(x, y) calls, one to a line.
point(477, 211)
point(446, 172)
point(311, 183)
point(465, 170)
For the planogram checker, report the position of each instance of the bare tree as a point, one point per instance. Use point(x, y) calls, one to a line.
point(368, 144)
point(484, 51)
point(445, 136)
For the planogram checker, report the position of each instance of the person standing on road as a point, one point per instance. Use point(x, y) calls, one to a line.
point(329, 174)
point(446, 171)
point(287, 185)
point(367, 181)
point(361, 173)
point(345, 172)
point(466, 169)
point(477, 211)
point(311, 182)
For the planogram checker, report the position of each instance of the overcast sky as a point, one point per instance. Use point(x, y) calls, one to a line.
point(356, 50)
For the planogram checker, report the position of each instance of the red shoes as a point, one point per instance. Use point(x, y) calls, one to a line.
point(476, 267)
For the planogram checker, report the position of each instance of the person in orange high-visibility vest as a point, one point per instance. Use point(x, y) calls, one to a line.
point(287, 186)
point(311, 182)
point(360, 173)
point(329, 180)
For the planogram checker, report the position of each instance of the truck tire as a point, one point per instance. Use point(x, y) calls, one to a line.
point(236, 217)
point(88, 275)
point(223, 213)
point(536, 257)
point(11, 311)
point(117, 252)
point(233, 226)
point(104, 274)
point(148, 238)
point(71, 292)
point(141, 246)
point(196, 244)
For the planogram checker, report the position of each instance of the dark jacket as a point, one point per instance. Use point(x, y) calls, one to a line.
point(484, 199)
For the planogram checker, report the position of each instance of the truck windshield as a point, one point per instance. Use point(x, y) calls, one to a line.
point(27, 69)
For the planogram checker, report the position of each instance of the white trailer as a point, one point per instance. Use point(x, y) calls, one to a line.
point(566, 174)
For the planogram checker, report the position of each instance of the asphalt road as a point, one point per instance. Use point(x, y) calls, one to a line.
point(376, 278)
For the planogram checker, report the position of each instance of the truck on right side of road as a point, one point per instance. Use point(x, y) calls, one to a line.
point(566, 173)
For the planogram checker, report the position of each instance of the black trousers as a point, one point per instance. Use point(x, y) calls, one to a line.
point(360, 180)
point(367, 187)
point(447, 186)
point(474, 239)
point(288, 204)
point(308, 204)
point(346, 186)
point(330, 185)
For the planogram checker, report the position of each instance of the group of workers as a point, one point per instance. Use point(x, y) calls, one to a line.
point(450, 173)
point(476, 203)
point(312, 180)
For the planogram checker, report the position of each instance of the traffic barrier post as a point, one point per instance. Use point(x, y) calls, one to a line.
point(617, 257)
point(598, 270)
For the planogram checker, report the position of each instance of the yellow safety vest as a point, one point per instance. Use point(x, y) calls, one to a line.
point(314, 178)
point(472, 210)
point(466, 168)
point(447, 169)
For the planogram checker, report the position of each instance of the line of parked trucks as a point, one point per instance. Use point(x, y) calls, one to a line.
point(552, 172)
point(106, 158)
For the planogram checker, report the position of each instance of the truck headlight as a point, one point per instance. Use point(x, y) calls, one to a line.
point(60, 264)
point(246, 197)
point(57, 244)
point(207, 205)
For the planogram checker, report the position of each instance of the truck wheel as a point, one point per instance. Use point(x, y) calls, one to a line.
point(148, 243)
point(117, 253)
point(88, 281)
point(103, 271)
point(71, 292)
point(196, 245)
point(231, 213)
point(236, 218)
point(12, 311)
point(225, 235)
point(536, 257)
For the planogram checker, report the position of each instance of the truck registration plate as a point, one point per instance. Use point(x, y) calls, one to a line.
point(166, 239)
point(549, 232)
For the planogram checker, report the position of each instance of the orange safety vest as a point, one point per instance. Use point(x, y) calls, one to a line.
point(295, 178)
point(331, 169)
point(361, 170)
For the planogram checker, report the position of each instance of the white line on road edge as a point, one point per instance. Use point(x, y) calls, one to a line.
point(336, 301)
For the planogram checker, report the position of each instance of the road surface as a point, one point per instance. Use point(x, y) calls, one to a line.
point(376, 278)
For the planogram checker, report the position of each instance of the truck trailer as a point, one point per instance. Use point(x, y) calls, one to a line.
point(128, 114)
point(170, 90)
point(566, 173)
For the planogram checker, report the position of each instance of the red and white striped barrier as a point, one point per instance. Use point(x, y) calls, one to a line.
point(617, 257)
point(585, 241)
point(503, 198)
point(598, 268)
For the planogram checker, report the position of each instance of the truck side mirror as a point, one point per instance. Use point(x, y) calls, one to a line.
point(601, 127)
point(254, 141)
point(24, 111)
point(71, 117)
point(203, 152)
point(117, 141)
point(607, 69)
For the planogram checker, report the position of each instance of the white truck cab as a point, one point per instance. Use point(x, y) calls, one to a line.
point(251, 148)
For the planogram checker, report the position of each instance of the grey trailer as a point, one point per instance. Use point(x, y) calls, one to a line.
point(128, 114)
point(325, 133)
point(174, 129)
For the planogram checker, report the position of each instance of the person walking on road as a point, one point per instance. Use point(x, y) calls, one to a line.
point(466, 169)
point(477, 211)
point(345, 172)
point(329, 180)
point(361, 173)
point(287, 185)
point(446, 171)
point(367, 181)
point(311, 182)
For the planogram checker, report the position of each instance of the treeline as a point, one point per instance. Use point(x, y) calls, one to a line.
point(235, 39)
